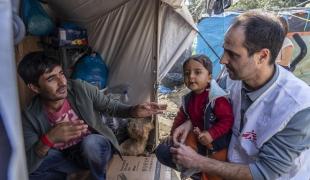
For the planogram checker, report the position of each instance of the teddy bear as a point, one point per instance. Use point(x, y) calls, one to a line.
point(138, 131)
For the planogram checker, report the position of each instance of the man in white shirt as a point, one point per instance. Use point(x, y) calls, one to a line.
point(271, 136)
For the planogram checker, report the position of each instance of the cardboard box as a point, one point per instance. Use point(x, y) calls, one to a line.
point(137, 168)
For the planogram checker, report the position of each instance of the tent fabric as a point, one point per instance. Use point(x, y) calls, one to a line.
point(132, 36)
point(11, 121)
point(127, 43)
point(174, 3)
point(84, 10)
point(179, 7)
point(214, 36)
point(298, 20)
point(177, 35)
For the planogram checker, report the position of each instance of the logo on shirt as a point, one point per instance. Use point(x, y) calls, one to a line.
point(251, 135)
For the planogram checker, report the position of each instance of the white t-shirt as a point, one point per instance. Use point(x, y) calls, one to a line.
point(286, 43)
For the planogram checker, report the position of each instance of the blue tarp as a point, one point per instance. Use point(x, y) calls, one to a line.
point(213, 30)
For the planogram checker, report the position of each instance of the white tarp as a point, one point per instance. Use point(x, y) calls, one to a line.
point(177, 31)
point(12, 156)
point(139, 40)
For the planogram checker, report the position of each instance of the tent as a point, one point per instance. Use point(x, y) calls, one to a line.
point(140, 40)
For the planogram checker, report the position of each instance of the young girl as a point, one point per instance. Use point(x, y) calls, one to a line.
point(209, 111)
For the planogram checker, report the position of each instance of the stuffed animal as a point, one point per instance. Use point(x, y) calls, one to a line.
point(138, 131)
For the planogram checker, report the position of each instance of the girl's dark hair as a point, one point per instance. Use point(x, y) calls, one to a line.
point(203, 59)
point(34, 64)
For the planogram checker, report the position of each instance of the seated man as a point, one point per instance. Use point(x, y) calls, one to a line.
point(271, 137)
point(62, 126)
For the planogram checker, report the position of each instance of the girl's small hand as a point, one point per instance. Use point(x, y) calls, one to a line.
point(203, 137)
point(197, 131)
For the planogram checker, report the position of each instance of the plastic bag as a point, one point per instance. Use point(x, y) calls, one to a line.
point(92, 69)
point(37, 21)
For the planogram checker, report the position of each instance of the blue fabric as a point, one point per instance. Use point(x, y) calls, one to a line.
point(164, 90)
point(37, 21)
point(92, 69)
point(213, 30)
point(94, 153)
point(164, 156)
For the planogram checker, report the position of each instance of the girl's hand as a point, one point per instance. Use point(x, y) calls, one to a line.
point(203, 137)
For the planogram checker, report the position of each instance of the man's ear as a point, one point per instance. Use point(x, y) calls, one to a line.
point(34, 88)
point(264, 56)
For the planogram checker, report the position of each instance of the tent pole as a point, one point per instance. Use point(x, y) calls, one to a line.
point(155, 69)
point(154, 134)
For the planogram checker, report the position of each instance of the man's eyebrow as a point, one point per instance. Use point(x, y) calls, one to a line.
point(230, 52)
point(51, 76)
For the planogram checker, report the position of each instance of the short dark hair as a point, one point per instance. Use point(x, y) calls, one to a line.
point(203, 59)
point(262, 30)
point(34, 64)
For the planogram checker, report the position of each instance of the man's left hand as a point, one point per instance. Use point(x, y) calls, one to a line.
point(148, 109)
point(185, 156)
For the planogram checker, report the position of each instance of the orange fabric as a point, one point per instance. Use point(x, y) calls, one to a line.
point(192, 141)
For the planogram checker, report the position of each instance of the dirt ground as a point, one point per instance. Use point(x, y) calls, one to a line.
point(173, 100)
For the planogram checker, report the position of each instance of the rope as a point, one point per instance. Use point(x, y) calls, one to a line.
point(301, 17)
point(306, 22)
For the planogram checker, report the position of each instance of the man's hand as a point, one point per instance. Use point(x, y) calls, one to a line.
point(147, 109)
point(65, 131)
point(185, 156)
point(188, 158)
point(203, 137)
point(180, 133)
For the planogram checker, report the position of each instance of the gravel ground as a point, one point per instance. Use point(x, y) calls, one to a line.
point(173, 100)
